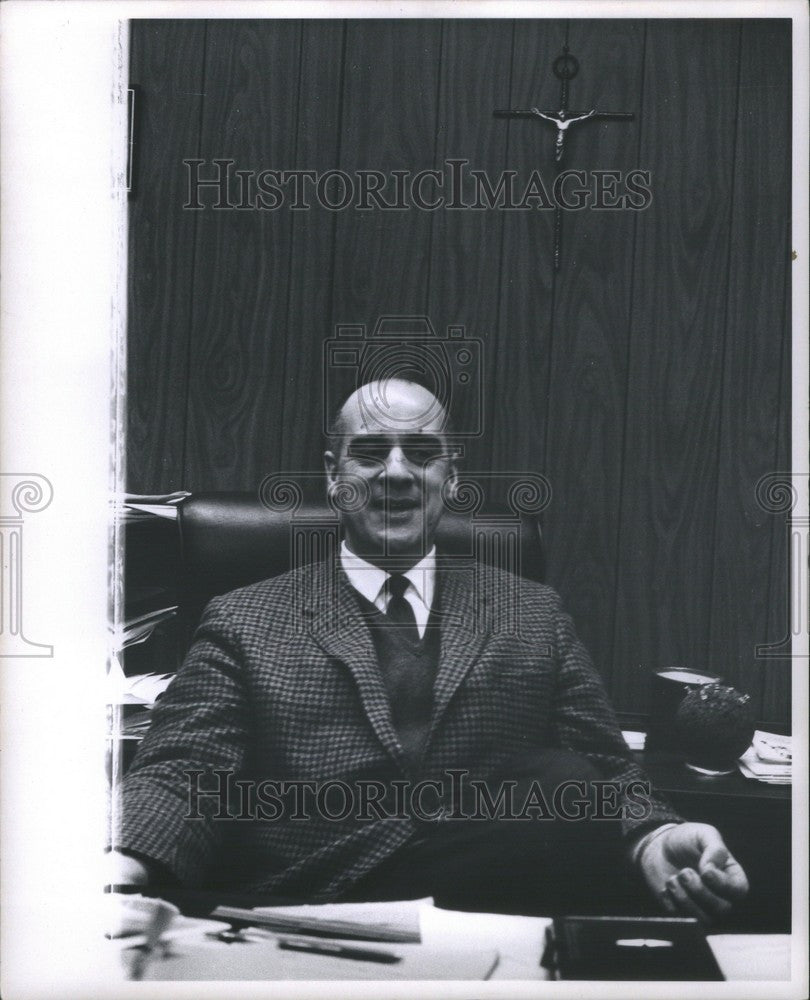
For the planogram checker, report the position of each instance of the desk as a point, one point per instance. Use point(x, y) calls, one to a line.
point(520, 940)
point(754, 819)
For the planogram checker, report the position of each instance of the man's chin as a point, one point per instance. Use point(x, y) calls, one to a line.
point(400, 543)
point(415, 548)
point(396, 543)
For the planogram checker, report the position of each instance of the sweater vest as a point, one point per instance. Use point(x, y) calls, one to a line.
point(408, 671)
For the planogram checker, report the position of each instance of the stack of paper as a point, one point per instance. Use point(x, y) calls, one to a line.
point(134, 506)
point(398, 916)
point(138, 694)
point(144, 689)
point(133, 725)
point(634, 739)
point(140, 689)
point(768, 759)
point(138, 629)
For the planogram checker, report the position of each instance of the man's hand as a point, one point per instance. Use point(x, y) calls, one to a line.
point(125, 870)
point(692, 873)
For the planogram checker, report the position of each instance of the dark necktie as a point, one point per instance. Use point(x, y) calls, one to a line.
point(399, 611)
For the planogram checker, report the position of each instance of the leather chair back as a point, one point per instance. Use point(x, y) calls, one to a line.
point(229, 540)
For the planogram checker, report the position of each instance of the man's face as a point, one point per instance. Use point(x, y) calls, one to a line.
point(393, 441)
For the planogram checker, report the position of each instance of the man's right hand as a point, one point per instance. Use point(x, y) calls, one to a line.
point(126, 870)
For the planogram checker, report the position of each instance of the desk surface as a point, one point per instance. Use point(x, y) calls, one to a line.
point(519, 942)
point(670, 774)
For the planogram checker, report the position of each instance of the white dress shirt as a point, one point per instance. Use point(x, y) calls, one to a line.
point(370, 581)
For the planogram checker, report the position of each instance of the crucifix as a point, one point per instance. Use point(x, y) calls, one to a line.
point(565, 69)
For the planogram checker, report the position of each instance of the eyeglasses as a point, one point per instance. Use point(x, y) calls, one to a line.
point(374, 449)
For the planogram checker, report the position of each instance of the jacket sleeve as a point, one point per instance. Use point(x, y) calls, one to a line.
point(584, 722)
point(197, 738)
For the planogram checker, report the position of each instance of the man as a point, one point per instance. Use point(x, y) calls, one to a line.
point(293, 750)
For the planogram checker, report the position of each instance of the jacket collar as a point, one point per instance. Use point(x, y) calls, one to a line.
point(369, 579)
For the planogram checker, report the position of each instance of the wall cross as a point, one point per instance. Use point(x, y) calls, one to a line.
point(565, 68)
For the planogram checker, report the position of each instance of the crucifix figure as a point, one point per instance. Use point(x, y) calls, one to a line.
point(562, 124)
point(565, 69)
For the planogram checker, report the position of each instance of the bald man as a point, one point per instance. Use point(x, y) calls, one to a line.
point(404, 753)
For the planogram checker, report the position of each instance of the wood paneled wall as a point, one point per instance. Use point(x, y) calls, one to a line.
point(648, 379)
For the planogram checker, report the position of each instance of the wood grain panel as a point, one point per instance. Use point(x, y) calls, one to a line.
point(669, 475)
point(777, 702)
point(650, 378)
point(464, 279)
point(777, 687)
point(312, 251)
point(388, 121)
point(166, 64)
point(588, 382)
point(755, 333)
point(776, 695)
point(242, 269)
point(520, 356)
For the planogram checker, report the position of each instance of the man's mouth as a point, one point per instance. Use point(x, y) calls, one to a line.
point(396, 504)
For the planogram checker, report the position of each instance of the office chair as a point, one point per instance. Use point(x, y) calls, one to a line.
point(229, 540)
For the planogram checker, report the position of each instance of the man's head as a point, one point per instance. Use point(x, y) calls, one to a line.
point(390, 439)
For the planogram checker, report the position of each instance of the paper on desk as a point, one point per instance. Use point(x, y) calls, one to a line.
point(635, 739)
point(394, 915)
point(156, 498)
point(757, 957)
point(752, 767)
point(259, 959)
point(147, 688)
point(518, 940)
point(134, 506)
point(773, 747)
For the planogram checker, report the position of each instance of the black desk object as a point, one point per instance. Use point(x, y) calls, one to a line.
point(637, 949)
point(755, 821)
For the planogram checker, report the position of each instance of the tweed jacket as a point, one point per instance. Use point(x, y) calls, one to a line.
point(281, 684)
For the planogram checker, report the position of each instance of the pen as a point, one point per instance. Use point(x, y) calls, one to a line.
point(339, 950)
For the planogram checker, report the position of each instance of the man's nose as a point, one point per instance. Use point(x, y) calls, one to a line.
point(397, 465)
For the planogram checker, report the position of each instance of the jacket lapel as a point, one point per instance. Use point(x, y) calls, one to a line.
point(462, 633)
point(333, 619)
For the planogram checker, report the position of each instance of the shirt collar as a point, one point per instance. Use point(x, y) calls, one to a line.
point(369, 579)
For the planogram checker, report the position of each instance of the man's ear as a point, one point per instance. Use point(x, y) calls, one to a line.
point(452, 477)
point(330, 467)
